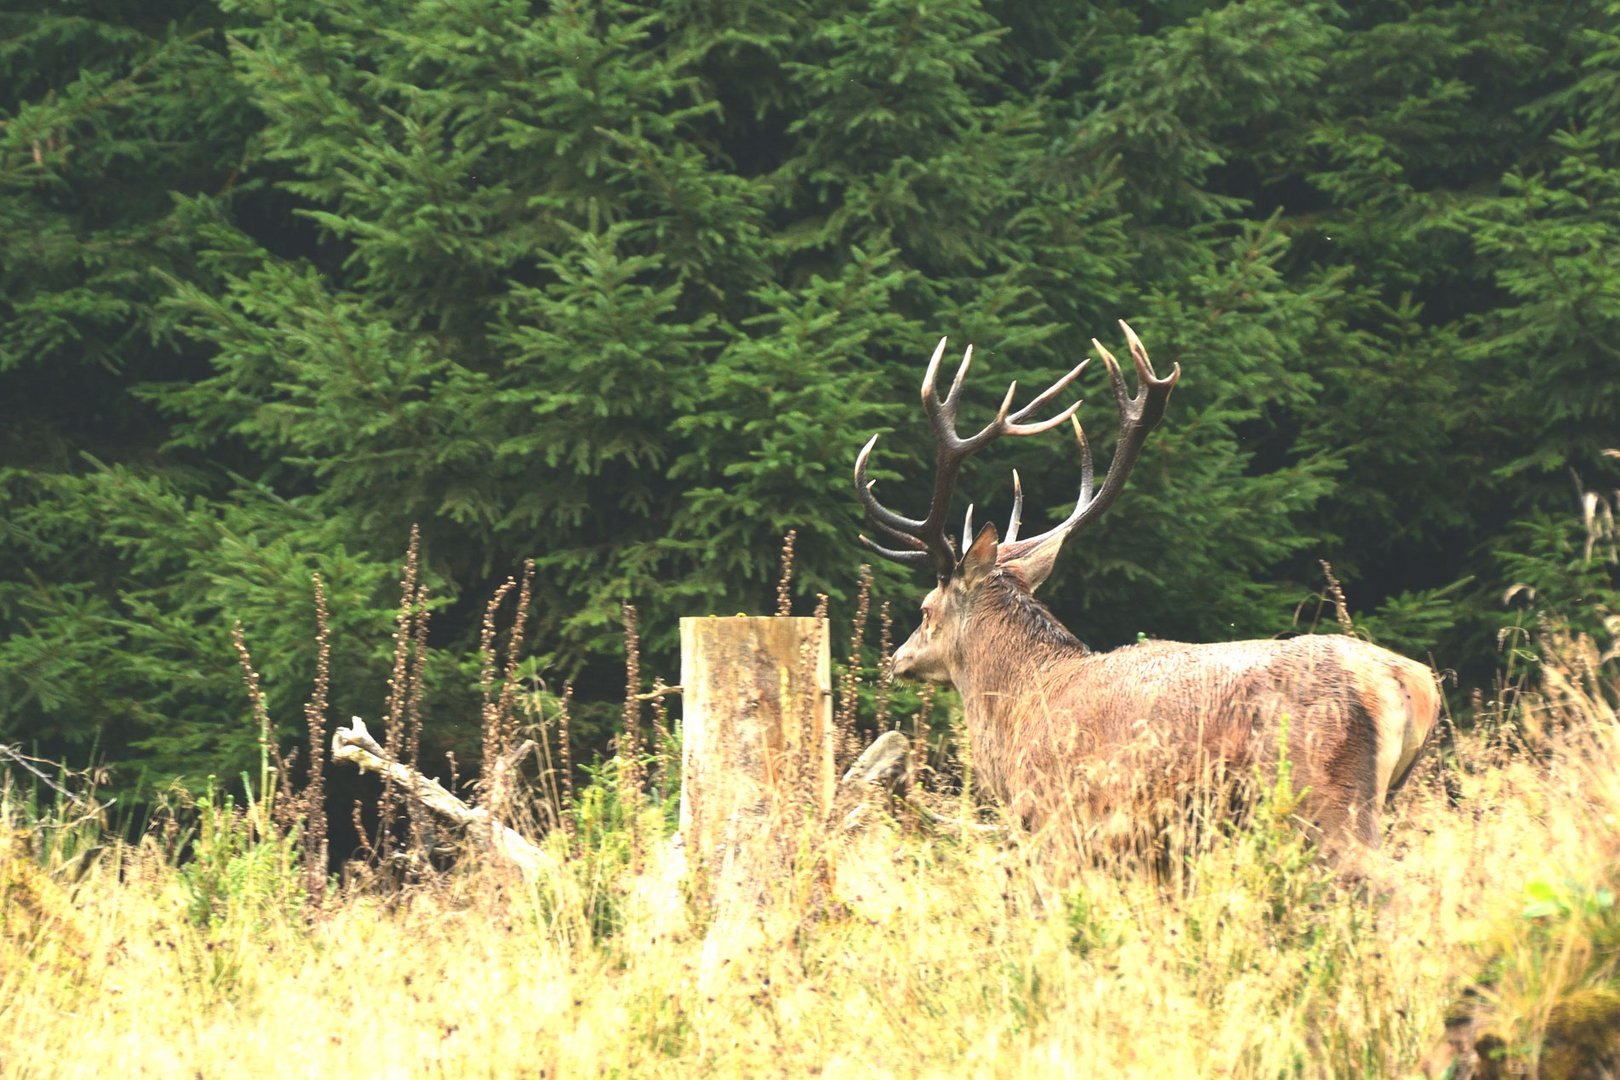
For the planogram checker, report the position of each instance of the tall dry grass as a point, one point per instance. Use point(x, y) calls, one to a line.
point(211, 949)
point(894, 952)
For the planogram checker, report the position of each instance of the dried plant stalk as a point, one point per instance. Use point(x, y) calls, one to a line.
point(630, 733)
point(784, 583)
point(661, 737)
point(820, 615)
point(500, 724)
point(885, 686)
point(565, 747)
point(398, 685)
point(514, 645)
point(491, 708)
point(250, 676)
point(314, 796)
point(919, 750)
point(1336, 593)
point(283, 809)
point(416, 814)
point(364, 852)
point(849, 688)
point(550, 791)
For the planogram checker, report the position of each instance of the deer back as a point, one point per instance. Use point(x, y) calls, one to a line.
point(1093, 730)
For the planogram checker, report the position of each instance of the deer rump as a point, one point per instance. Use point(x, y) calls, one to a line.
point(1106, 740)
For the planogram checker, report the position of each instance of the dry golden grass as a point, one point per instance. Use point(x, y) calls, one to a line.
point(899, 954)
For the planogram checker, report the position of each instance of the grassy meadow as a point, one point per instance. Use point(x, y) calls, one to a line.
point(895, 950)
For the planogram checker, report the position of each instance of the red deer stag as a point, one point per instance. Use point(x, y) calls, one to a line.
point(1053, 725)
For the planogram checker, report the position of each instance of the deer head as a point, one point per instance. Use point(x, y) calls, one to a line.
point(992, 564)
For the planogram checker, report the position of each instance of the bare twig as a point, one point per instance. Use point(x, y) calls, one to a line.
point(15, 755)
point(660, 690)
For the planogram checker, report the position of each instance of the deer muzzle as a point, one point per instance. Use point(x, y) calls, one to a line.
point(919, 659)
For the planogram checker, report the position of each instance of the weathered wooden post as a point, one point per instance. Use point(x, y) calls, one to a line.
point(757, 736)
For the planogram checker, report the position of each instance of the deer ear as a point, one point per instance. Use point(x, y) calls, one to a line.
point(981, 557)
point(1035, 566)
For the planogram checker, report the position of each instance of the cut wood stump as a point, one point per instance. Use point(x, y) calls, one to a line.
point(757, 740)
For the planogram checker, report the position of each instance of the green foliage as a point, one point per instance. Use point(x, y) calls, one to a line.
point(1569, 566)
point(130, 646)
point(1090, 928)
point(240, 870)
point(623, 287)
point(610, 833)
point(1549, 1000)
point(1546, 900)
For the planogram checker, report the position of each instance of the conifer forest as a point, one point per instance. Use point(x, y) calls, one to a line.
point(597, 301)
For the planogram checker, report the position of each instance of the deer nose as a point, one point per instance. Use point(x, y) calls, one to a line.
point(903, 663)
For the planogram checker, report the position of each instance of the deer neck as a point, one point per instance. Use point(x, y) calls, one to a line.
point(1014, 645)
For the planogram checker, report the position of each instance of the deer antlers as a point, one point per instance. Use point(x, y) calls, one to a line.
point(923, 540)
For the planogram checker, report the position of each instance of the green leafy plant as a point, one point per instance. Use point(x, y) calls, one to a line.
point(238, 868)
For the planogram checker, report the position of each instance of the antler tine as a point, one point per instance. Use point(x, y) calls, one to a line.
point(924, 539)
point(1156, 399)
point(1008, 422)
point(1017, 510)
point(953, 449)
point(891, 522)
point(1085, 461)
point(1138, 415)
point(905, 558)
point(1015, 427)
point(961, 374)
point(1000, 421)
point(931, 376)
point(924, 536)
point(908, 539)
point(1012, 547)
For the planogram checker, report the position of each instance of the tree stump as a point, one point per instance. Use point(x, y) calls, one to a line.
point(757, 740)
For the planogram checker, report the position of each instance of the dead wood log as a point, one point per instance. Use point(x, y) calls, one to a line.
point(878, 772)
point(356, 746)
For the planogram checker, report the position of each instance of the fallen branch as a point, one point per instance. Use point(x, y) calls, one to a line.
point(356, 746)
point(883, 763)
point(662, 691)
point(882, 766)
point(942, 821)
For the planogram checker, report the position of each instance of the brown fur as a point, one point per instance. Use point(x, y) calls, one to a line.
point(1059, 732)
point(1055, 728)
